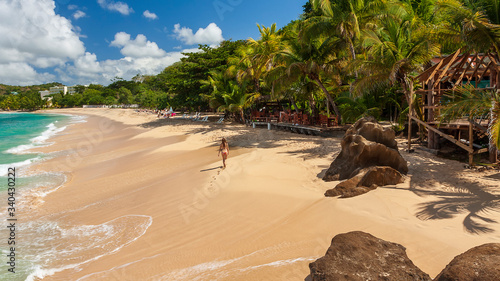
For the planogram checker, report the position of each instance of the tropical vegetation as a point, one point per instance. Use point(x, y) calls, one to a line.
point(346, 58)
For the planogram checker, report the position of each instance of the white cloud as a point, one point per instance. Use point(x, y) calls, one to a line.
point(20, 73)
point(87, 65)
point(79, 14)
point(211, 35)
point(138, 48)
point(149, 15)
point(34, 36)
point(119, 7)
point(87, 69)
point(72, 7)
point(140, 56)
point(36, 42)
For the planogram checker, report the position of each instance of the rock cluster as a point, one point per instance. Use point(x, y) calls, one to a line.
point(479, 263)
point(361, 256)
point(369, 158)
point(367, 179)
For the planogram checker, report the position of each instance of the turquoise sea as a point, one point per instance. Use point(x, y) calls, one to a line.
point(20, 132)
point(45, 245)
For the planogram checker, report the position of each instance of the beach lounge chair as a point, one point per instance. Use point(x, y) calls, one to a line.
point(194, 117)
point(220, 120)
point(204, 119)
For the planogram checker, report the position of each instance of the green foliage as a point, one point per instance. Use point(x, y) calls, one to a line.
point(29, 100)
point(359, 55)
point(125, 96)
point(353, 108)
point(183, 80)
point(466, 101)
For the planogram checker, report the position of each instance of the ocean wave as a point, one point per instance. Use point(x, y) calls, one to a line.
point(4, 167)
point(74, 118)
point(51, 243)
point(78, 119)
point(281, 263)
point(38, 141)
point(44, 187)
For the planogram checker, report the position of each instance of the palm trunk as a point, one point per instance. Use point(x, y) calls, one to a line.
point(294, 105)
point(242, 116)
point(330, 99)
point(494, 138)
point(312, 103)
point(353, 54)
point(256, 85)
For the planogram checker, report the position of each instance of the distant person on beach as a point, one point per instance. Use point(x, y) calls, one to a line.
point(224, 148)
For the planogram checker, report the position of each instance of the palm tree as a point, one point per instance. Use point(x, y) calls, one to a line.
point(256, 57)
point(221, 84)
point(475, 103)
point(342, 19)
point(474, 27)
point(228, 95)
point(396, 47)
point(491, 8)
point(312, 60)
point(238, 99)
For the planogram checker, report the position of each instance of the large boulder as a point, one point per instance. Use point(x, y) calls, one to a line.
point(480, 263)
point(361, 256)
point(366, 144)
point(369, 128)
point(368, 179)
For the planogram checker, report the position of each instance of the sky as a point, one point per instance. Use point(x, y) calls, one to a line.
point(94, 41)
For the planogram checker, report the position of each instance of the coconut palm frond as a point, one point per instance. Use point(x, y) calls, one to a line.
point(494, 128)
point(465, 101)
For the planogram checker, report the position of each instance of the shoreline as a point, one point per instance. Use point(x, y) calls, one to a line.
point(264, 217)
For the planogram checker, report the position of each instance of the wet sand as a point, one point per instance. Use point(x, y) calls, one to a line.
point(174, 214)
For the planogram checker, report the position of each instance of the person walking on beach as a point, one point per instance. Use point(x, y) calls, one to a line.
point(224, 148)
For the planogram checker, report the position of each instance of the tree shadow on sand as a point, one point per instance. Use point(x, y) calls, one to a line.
point(241, 136)
point(459, 194)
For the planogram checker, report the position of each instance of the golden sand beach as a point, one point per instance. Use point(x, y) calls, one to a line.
point(147, 199)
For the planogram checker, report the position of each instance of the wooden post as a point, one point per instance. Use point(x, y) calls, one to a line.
point(430, 114)
point(410, 111)
point(471, 143)
point(493, 155)
point(436, 141)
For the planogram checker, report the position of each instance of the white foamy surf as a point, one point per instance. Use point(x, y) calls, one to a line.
point(38, 141)
point(50, 243)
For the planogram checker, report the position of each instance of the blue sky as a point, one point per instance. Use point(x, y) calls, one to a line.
point(83, 42)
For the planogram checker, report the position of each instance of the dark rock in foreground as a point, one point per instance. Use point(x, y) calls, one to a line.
point(368, 179)
point(480, 263)
point(366, 144)
point(361, 256)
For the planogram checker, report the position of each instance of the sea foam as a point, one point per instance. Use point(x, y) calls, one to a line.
point(38, 141)
point(4, 167)
point(51, 243)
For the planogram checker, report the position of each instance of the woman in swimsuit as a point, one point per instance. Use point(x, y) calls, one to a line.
point(224, 148)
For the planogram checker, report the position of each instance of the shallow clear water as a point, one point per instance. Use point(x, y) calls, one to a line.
point(20, 132)
point(45, 246)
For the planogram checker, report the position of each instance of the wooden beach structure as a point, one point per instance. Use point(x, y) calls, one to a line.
point(482, 71)
point(275, 116)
